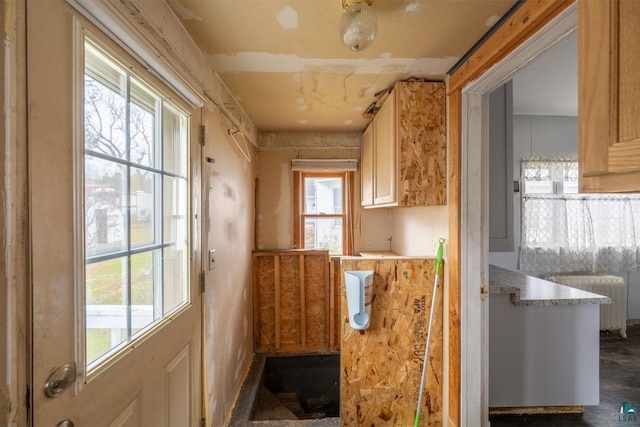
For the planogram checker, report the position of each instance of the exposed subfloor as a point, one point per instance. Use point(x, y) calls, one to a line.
point(619, 382)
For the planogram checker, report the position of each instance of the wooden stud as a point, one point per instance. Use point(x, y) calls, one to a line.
point(303, 305)
point(332, 323)
point(276, 275)
point(453, 253)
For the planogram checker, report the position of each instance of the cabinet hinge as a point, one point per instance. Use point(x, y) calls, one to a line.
point(202, 134)
point(202, 282)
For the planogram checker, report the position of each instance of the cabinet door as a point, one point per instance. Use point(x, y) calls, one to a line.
point(609, 95)
point(385, 157)
point(366, 166)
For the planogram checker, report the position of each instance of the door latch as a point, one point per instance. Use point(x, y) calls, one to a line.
point(484, 291)
point(59, 379)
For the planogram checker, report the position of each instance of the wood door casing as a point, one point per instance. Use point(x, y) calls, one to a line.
point(530, 17)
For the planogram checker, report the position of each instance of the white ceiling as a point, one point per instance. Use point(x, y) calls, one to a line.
point(284, 62)
point(548, 86)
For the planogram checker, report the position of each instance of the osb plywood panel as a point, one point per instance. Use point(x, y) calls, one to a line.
point(291, 301)
point(264, 302)
point(422, 143)
point(290, 290)
point(381, 366)
point(316, 274)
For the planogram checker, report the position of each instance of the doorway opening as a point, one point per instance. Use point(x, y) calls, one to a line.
point(474, 233)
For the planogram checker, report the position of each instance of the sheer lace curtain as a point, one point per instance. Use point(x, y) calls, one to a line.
point(565, 232)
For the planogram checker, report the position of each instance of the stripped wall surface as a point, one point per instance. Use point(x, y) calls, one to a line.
point(275, 194)
point(228, 229)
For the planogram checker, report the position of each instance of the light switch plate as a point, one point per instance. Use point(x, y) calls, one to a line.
point(212, 259)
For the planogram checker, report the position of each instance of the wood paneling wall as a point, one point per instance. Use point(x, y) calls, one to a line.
point(381, 366)
point(524, 22)
point(295, 302)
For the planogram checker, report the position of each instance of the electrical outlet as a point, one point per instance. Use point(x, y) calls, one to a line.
point(212, 259)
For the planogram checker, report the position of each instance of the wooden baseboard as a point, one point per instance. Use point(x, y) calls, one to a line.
point(537, 410)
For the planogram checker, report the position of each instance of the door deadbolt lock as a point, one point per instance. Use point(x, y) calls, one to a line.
point(59, 379)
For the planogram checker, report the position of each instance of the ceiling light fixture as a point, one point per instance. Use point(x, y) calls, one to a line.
point(358, 24)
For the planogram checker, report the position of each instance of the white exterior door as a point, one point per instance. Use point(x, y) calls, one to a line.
point(114, 246)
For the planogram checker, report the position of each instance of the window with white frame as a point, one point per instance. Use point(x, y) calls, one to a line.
point(136, 203)
point(564, 231)
point(323, 211)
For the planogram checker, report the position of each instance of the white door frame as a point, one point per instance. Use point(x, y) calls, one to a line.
point(474, 201)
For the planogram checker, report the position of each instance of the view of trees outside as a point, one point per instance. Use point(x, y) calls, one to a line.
point(135, 214)
point(323, 228)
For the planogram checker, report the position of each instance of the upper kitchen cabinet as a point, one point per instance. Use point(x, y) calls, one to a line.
point(408, 140)
point(609, 95)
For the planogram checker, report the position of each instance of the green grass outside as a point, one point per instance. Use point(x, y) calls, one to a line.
point(106, 285)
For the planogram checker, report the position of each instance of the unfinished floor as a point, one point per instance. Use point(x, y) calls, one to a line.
point(619, 382)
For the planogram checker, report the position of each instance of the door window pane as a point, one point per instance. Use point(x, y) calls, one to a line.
point(143, 115)
point(106, 306)
point(174, 128)
point(105, 206)
point(136, 228)
point(145, 205)
point(175, 214)
point(144, 269)
point(175, 274)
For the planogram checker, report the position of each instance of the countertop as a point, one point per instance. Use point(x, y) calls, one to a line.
point(529, 290)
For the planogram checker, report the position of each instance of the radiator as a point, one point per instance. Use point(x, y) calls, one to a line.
point(612, 316)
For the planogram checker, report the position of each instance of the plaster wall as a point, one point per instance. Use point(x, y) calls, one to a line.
point(416, 231)
point(227, 224)
point(275, 190)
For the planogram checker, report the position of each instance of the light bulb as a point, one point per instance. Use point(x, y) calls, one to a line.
point(358, 26)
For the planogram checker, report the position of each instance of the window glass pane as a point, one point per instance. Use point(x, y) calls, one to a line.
point(106, 306)
point(144, 280)
point(175, 277)
point(105, 206)
point(175, 210)
point(145, 206)
point(570, 187)
point(323, 195)
point(538, 187)
point(323, 233)
point(132, 206)
point(144, 108)
point(105, 116)
point(174, 134)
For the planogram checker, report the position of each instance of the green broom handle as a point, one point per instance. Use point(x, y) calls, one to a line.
point(439, 257)
point(416, 421)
